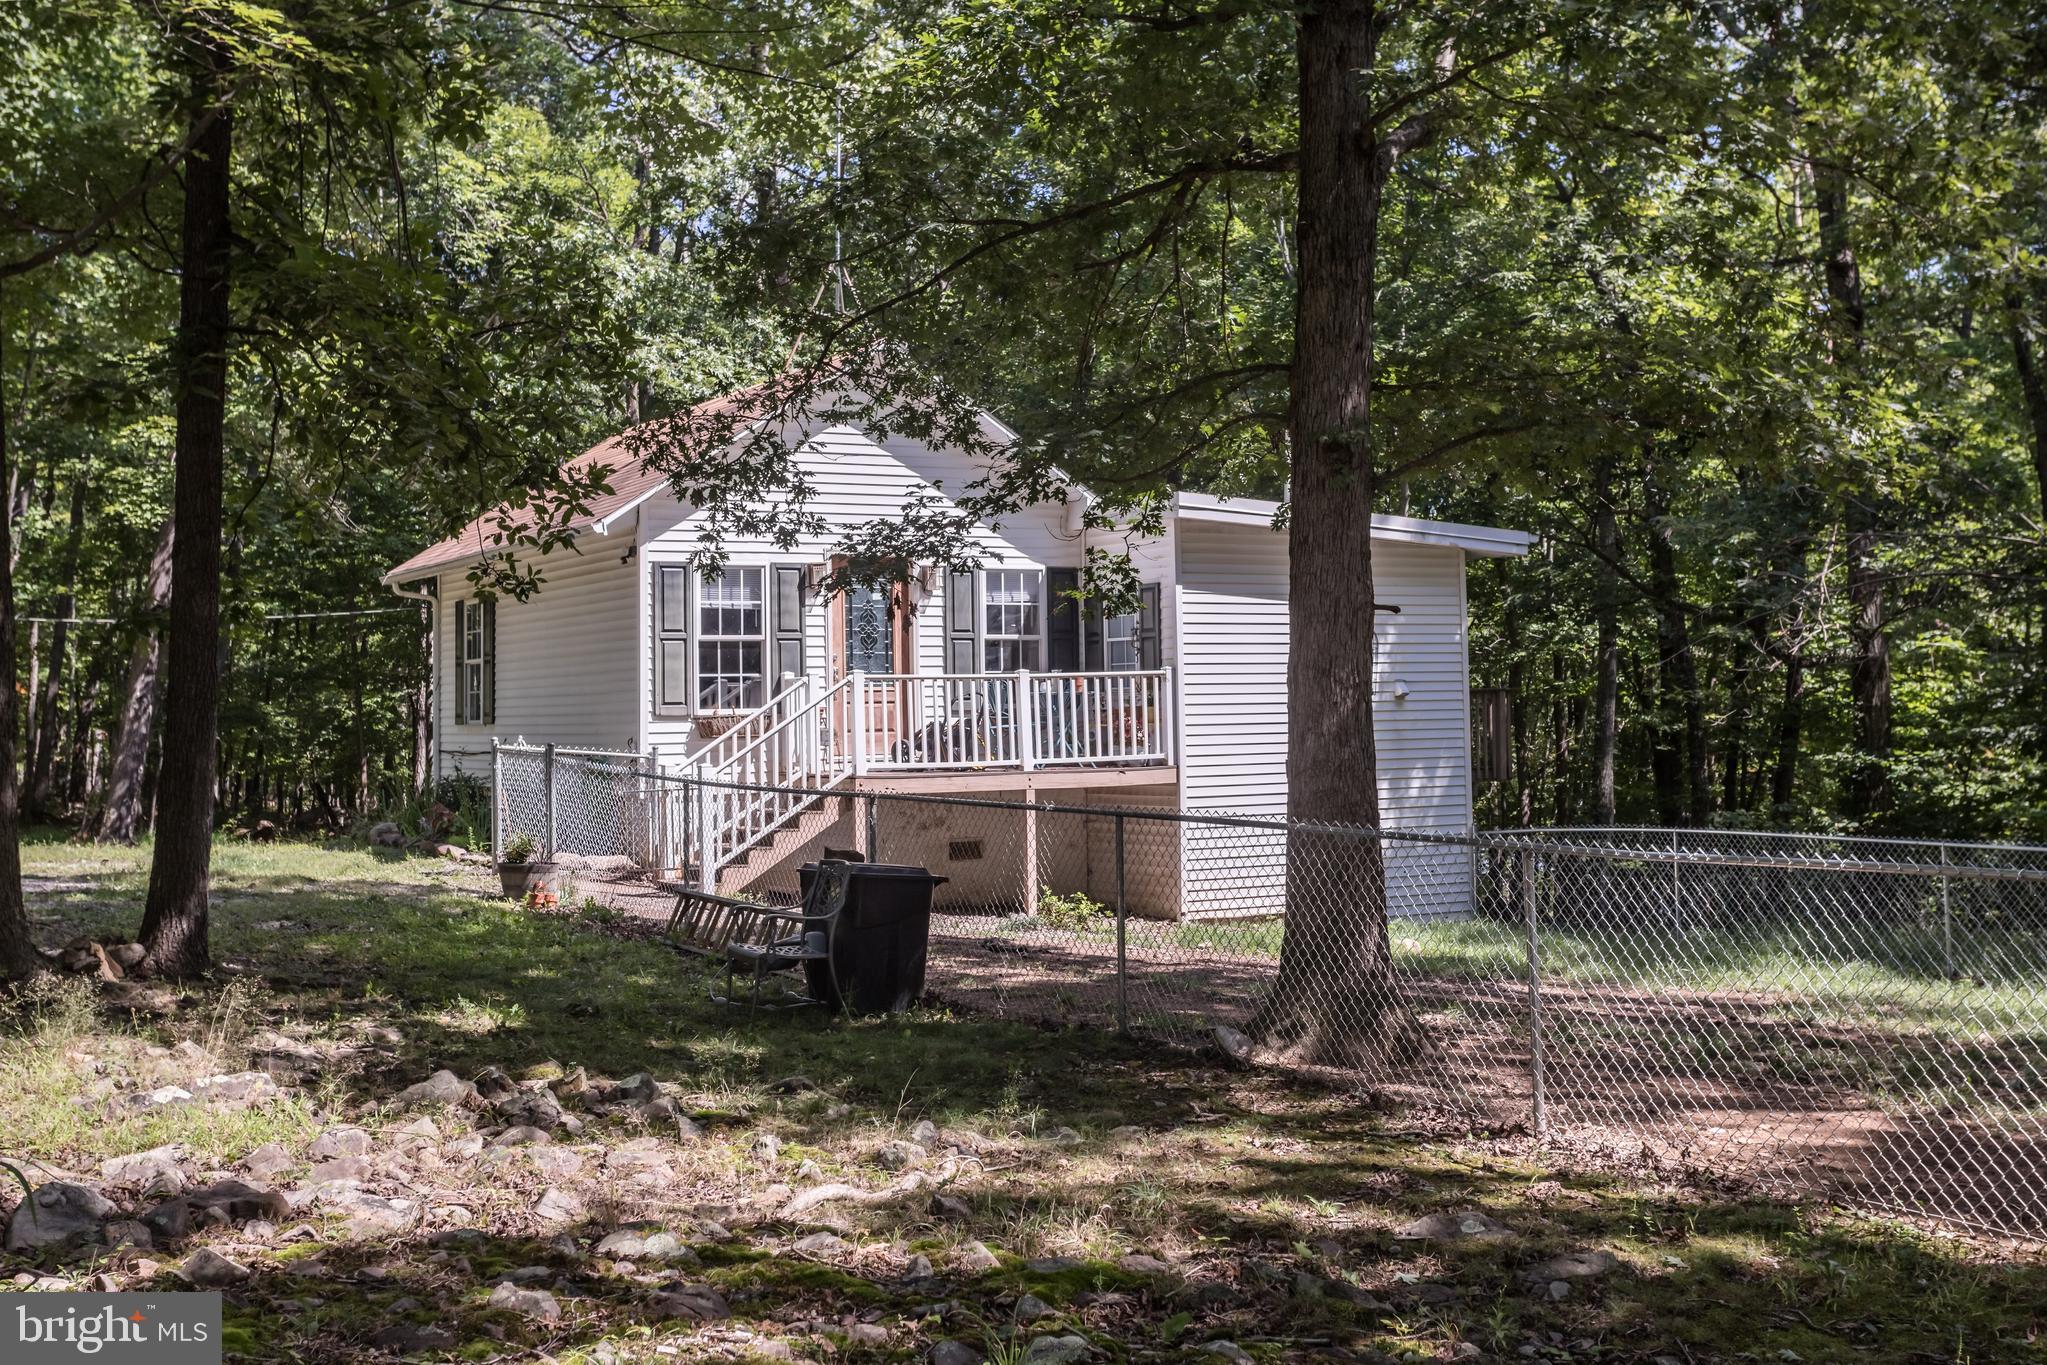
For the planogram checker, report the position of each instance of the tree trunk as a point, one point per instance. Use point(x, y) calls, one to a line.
point(1333, 1000)
point(174, 920)
point(121, 816)
point(79, 767)
point(1606, 690)
point(1869, 785)
point(2033, 389)
point(1678, 669)
point(18, 955)
point(43, 765)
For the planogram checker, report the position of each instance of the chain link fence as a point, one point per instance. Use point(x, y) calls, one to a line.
point(591, 803)
point(1860, 1019)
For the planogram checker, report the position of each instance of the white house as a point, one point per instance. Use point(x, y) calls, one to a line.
point(757, 677)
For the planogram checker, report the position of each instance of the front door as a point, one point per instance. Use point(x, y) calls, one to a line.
point(872, 634)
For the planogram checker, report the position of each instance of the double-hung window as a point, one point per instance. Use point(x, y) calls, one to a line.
point(1012, 614)
point(732, 641)
point(475, 662)
point(1121, 649)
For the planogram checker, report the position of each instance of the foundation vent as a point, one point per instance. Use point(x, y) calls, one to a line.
point(964, 850)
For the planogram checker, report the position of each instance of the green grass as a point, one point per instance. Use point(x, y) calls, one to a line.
point(1245, 1179)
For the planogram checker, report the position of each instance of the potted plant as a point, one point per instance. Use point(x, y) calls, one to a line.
point(519, 871)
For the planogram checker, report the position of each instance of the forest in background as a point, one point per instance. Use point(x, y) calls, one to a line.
point(1736, 308)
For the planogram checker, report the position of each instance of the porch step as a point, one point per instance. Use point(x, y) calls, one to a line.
point(745, 872)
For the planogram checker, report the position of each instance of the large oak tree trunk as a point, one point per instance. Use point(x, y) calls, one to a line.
point(174, 921)
point(1333, 1000)
point(121, 817)
point(18, 956)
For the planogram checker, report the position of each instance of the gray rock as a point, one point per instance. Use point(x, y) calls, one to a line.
point(1559, 1289)
point(1055, 1350)
point(126, 955)
point(163, 1097)
point(975, 1258)
point(1064, 1137)
point(1235, 1043)
point(765, 1148)
point(535, 1108)
point(208, 1269)
point(155, 1171)
point(520, 1135)
point(919, 1268)
point(925, 1134)
point(235, 1090)
point(821, 1244)
point(127, 1232)
point(407, 1338)
point(339, 1142)
point(1137, 1263)
point(530, 1274)
point(462, 1148)
point(443, 1087)
point(951, 1206)
point(867, 1334)
point(638, 1088)
point(341, 1170)
point(268, 1161)
point(421, 1127)
point(1031, 1308)
point(698, 1302)
point(555, 1163)
point(492, 1083)
point(954, 1353)
point(387, 834)
point(1575, 1265)
point(558, 1206)
point(1452, 1226)
point(1227, 1350)
point(532, 1303)
point(370, 1215)
point(57, 1214)
point(900, 1156)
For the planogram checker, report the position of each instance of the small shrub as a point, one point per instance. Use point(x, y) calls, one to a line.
point(520, 849)
point(1076, 911)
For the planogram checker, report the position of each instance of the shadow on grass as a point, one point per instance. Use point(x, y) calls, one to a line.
point(1258, 1180)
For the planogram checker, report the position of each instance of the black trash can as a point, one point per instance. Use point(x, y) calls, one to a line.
point(883, 937)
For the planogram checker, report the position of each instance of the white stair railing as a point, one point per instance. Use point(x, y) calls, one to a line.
point(788, 745)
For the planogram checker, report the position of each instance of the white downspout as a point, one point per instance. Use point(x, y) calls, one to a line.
point(433, 664)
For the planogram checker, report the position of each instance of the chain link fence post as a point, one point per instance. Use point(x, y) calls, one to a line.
point(873, 849)
point(497, 800)
point(1539, 1107)
point(1947, 921)
point(547, 796)
point(1122, 937)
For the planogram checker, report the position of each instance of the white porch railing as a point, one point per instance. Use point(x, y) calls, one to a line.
point(810, 737)
point(1023, 720)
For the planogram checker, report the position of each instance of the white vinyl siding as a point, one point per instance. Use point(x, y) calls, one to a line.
point(563, 669)
point(1233, 655)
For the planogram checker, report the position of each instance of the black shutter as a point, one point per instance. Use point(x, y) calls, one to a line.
point(786, 653)
point(1149, 637)
point(961, 602)
point(671, 638)
point(456, 690)
point(1093, 650)
point(1062, 621)
point(490, 662)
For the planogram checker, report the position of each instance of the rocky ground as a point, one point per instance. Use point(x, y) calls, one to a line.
point(407, 1121)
